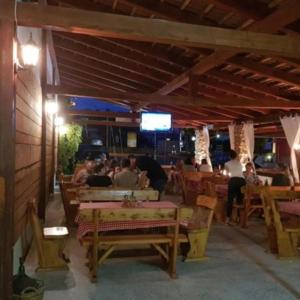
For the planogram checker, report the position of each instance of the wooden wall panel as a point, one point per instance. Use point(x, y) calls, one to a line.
point(28, 146)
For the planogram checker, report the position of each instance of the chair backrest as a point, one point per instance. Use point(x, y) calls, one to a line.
point(116, 194)
point(203, 212)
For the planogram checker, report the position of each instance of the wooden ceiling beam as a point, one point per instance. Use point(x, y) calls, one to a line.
point(265, 70)
point(166, 11)
point(106, 47)
point(252, 11)
point(169, 100)
point(249, 84)
point(110, 60)
point(285, 14)
point(100, 75)
point(108, 81)
point(98, 66)
point(152, 30)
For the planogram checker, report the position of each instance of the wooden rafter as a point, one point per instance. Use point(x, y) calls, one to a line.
point(285, 14)
point(171, 100)
point(152, 30)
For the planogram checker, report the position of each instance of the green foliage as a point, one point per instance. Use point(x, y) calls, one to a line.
point(67, 147)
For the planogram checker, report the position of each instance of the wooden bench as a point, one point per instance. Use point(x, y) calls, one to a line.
point(165, 244)
point(49, 241)
point(114, 194)
point(279, 236)
point(67, 195)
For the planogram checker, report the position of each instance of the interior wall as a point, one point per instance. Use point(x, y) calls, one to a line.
point(28, 143)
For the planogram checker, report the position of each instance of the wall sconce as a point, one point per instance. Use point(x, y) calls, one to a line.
point(59, 121)
point(52, 107)
point(30, 53)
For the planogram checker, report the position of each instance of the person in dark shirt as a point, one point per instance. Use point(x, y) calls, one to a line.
point(283, 178)
point(99, 179)
point(155, 172)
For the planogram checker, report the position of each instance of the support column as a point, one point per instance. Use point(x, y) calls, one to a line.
point(7, 145)
point(44, 188)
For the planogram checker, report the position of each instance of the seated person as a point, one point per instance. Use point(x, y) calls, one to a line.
point(81, 176)
point(250, 176)
point(204, 166)
point(283, 178)
point(155, 172)
point(188, 165)
point(99, 179)
point(113, 169)
point(126, 178)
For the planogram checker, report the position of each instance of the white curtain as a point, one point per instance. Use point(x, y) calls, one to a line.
point(206, 144)
point(231, 128)
point(291, 127)
point(249, 139)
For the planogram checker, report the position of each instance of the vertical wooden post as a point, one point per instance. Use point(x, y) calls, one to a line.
point(44, 190)
point(7, 145)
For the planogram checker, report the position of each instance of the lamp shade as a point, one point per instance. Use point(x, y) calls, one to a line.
point(30, 53)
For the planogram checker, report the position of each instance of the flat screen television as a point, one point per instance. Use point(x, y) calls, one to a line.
point(156, 122)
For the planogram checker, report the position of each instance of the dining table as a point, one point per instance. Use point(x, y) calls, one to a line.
point(291, 208)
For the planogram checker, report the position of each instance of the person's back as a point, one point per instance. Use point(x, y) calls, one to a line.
point(126, 178)
point(234, 168)
point(155, 172)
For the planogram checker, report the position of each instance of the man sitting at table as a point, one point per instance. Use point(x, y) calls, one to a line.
point(126, 178)
point(99, 179)
point(81, 176)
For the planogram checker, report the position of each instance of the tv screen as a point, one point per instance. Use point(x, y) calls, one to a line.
point(155, 122)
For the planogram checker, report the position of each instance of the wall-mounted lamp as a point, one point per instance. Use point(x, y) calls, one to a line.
point(52, 107)
point(30, 53)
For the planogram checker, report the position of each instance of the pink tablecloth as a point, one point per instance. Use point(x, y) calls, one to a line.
point(85, 227)
point(291, 208)
point(221, 190)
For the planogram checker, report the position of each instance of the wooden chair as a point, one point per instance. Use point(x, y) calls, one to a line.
point(192, 185)
point(198, 228)
point(287, 236)
point(220, 208)
point(109, 243)
point(251, 203)
point(71, 210)
point(50, 243)
point(113, 194)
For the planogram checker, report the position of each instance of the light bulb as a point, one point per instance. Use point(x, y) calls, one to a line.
point(30, 53)
point(52, 107)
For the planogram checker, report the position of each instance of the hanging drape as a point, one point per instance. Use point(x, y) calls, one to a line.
point(206, 143)
point(231, 135)
point(291, 128)
point(248, 129)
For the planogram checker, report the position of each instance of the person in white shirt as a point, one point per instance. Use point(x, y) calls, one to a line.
point(235, 171)
point(205, 167)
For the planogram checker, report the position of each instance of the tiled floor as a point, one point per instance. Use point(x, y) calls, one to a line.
point(238, 268)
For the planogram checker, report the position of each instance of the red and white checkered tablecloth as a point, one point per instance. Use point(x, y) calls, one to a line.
point(291, 208)
point(85, 227)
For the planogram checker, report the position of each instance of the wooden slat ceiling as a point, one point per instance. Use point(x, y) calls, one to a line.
point(140, 67)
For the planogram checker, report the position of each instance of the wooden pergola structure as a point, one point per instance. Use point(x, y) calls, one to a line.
point(205, 61)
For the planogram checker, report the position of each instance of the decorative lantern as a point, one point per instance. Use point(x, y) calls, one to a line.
point(30, 53)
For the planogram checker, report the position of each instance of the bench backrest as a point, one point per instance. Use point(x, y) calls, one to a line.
point(116, 194)
point(36, 228)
